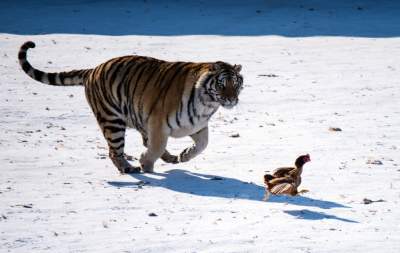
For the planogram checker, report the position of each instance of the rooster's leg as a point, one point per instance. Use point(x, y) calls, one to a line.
point(303, 191)
point(266, 195)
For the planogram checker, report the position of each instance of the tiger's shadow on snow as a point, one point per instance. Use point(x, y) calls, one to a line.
point(216, 186)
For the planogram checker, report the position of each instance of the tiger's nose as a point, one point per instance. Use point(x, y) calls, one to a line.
point(235, 102)
point(231, 102)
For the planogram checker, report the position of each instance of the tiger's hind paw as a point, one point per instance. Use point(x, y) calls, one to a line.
point(170, 159)
point(123, 166)
point(131, 170)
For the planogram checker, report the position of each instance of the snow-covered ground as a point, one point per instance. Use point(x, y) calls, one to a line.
point(307, 66)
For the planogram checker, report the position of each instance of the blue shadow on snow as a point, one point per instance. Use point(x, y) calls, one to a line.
point(312, 215)
point(215, 186)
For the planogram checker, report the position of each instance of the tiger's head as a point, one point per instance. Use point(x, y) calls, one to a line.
point(226, 84)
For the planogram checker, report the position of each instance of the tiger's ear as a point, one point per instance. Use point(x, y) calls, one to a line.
point(217, 66)
point(237, 68)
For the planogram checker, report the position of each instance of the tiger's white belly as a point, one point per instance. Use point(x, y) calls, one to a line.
point(188, 130)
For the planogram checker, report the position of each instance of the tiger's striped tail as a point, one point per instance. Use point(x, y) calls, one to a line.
point(70, 78)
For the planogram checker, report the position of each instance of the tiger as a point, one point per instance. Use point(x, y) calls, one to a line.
point(160, 99)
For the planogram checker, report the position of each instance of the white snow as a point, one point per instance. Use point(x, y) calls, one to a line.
point(307, 66)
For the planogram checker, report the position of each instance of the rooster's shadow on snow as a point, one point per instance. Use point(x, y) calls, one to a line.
point(216, 186)
point(313, 215)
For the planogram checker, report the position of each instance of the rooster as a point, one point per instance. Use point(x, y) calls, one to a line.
point(284, 181)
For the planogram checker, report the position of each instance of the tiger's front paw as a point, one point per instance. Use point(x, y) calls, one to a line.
point(146, 165)
point(147, 169)
point(184, 156)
